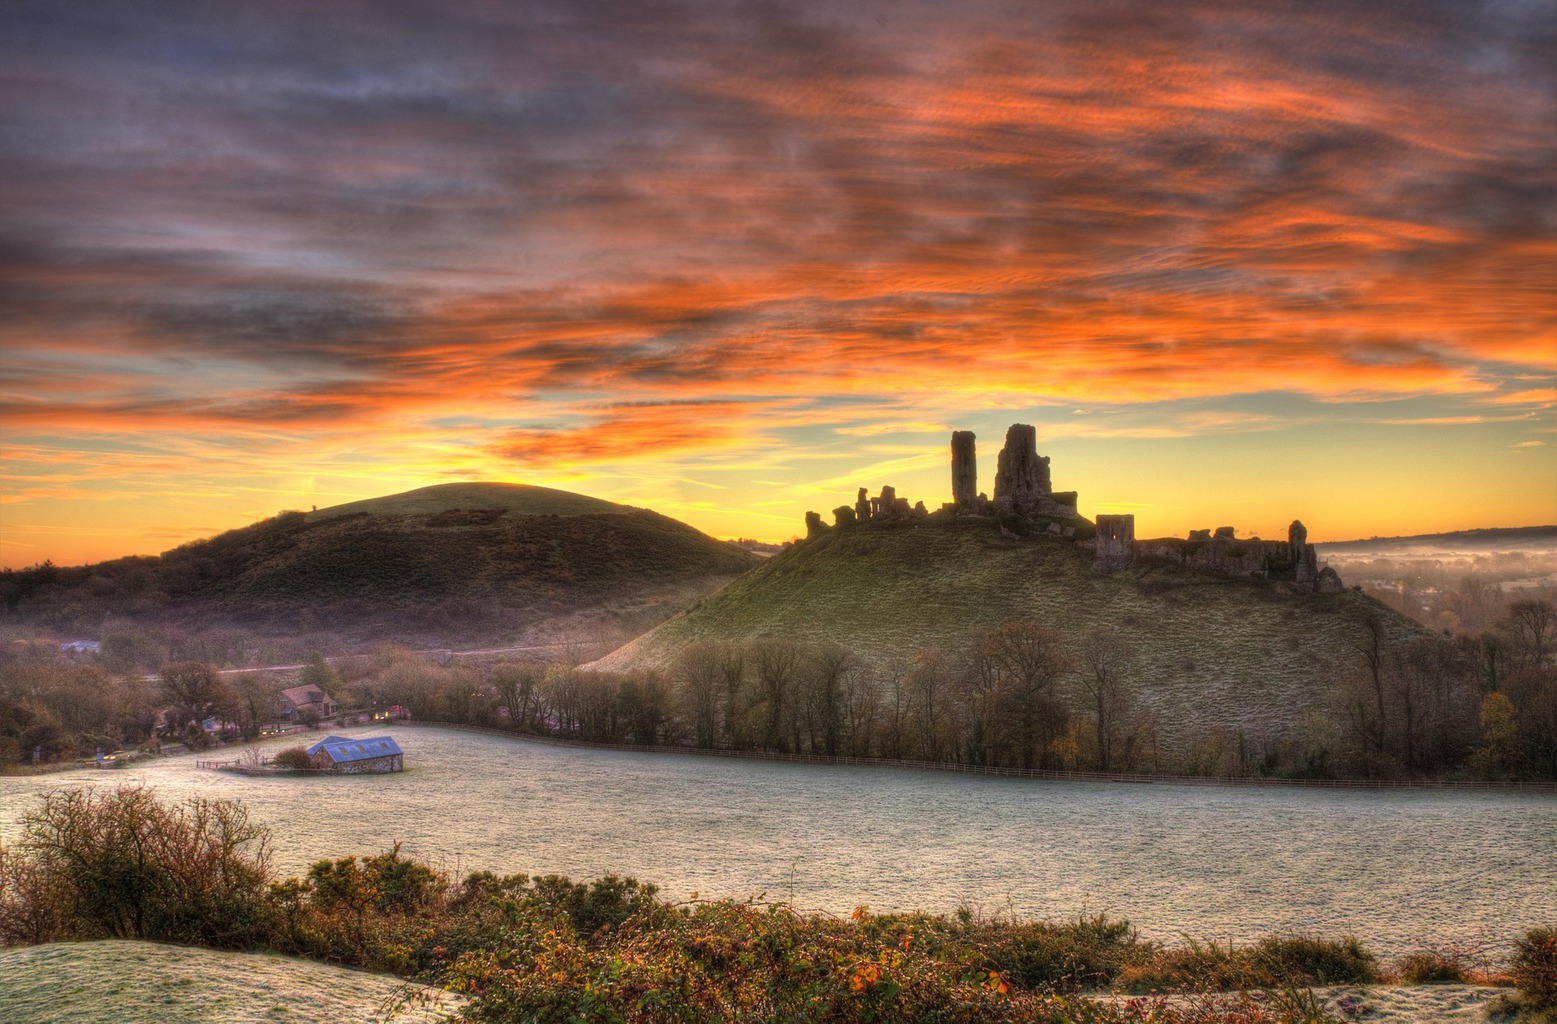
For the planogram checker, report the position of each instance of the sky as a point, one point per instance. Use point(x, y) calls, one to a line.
point(1237, 262)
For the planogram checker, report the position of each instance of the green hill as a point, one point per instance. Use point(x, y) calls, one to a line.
point(444, 564)
point(1209, 651)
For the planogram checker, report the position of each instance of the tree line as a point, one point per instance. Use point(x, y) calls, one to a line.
point(1017, 696)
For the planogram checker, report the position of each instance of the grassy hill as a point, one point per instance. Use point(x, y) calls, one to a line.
point(441, 564)
point(1211, 652)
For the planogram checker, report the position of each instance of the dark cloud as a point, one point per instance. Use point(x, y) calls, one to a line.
point(400, 202)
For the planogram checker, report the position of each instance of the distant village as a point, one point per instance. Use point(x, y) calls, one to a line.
point(1026, 504)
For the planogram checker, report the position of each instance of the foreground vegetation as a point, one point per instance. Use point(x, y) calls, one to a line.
point(98, 864)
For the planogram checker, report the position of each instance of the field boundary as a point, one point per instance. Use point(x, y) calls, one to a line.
point(1023, 773)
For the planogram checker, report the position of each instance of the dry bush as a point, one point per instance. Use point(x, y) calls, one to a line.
point(295, 758)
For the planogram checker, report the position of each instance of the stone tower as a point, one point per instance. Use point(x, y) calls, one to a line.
point(1297, 539)
point(965, 470)
point(1115, 548)
point(1022, 476)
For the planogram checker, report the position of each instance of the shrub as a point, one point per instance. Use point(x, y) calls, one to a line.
point(295, 758)
point(1089, 952)
point(1274, 962)
point(1308, 960)
point(1535, 968)
point(594, 905)
point(123, 865)
point(1434, 967)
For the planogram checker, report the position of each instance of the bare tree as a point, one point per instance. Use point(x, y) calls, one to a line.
point(829, 665)
point(1103, 676)
point(1032, 659)
point(732, 669)
point(931, 703)
point(698, 677)
point(894, 703)
point(516, 689)
point(1531, 627)
point(776, 661)
point(1368, 710)
point(861, 698)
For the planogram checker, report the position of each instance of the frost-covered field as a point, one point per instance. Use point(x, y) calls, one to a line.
point(1400, 869)
point(120, 982)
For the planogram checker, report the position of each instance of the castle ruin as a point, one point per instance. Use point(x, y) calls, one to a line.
point(1025, 504)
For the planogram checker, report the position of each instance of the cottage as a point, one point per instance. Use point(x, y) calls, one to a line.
point(307, 700)
point(356, 757)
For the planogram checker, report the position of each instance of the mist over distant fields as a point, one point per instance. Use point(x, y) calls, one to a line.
point(1462, 582)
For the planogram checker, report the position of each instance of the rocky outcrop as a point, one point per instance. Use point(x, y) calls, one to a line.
point(1328, 582)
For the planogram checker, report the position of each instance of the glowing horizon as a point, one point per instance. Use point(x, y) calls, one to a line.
point(1237, 265)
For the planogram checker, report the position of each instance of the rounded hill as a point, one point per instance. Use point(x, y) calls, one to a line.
point(1207, 651)
point(452, 563)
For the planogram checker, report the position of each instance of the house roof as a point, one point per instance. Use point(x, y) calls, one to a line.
point(343, 750)
point(305, 694)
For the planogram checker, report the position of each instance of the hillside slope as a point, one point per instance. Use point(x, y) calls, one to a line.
point(1209, 651)
point(446, 563)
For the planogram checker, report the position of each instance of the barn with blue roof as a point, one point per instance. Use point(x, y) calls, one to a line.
point(357, 757)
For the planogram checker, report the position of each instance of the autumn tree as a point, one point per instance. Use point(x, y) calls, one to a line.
point(860, 696)
point(1498, 752)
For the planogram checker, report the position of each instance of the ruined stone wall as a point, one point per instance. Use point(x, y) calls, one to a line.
point(1114, 546)
point(1025, 504)
point(1293, 559)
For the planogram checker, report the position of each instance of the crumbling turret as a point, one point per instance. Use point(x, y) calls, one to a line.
point(1115, 544)
point(1297, 538)
point(964, 470)
point(1022, 475)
